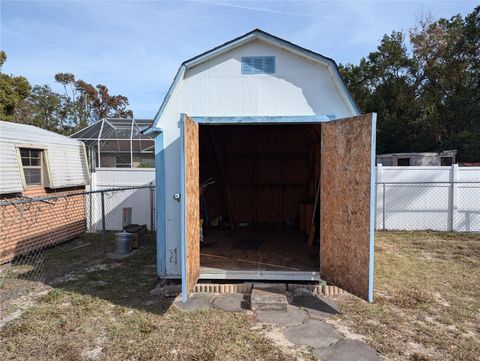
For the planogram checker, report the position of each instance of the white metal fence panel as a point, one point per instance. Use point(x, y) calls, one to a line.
point(428, 198)
point(136, 206)
point(123, 177)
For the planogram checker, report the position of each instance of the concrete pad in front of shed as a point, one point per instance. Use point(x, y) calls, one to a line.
point(312, 333)
point(315, 306)
point(197, 301)
point(347, 350)
point(292, 317)
point(268, 297)
point(231, 302)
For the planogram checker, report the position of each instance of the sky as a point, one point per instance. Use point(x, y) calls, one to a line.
point(136, 47)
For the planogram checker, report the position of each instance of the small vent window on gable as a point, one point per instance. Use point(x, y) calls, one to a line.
point(258, 65)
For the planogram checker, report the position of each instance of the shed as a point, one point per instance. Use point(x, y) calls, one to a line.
point(420, 159)
point(35, 162)
point(290, 161)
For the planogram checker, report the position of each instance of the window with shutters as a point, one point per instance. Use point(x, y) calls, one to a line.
point(32, 166)
point(258, 65)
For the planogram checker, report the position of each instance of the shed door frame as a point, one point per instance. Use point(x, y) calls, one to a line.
point(268, 120)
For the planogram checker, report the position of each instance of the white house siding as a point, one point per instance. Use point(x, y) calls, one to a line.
point(67, 165)
point(10, 177)
point(65, 157)
point(216, 87)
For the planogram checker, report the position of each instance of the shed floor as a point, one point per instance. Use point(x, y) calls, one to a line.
point(259, 248)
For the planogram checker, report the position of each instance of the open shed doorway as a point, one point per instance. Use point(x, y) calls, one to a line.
point(345, 167)
point(258, 200)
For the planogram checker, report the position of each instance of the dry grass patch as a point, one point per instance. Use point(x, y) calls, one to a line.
point(427, 298)
point(106, 312)
point(68, 325)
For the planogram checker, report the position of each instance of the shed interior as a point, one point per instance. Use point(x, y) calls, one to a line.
point(259, 199)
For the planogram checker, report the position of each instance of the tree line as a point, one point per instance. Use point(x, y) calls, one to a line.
point(79, 105)
point(424, 86)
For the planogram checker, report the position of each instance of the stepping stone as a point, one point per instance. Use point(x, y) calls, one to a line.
point(197, 301)
point(347, 350)
point(268, 297)
point(292, 317)
point(316, 307)
point(231, 302)
point(312, 333)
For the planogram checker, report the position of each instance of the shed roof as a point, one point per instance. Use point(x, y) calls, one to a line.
point(269, 38)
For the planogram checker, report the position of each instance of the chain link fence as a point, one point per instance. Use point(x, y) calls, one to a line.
point(51, 238)
point(436, 206)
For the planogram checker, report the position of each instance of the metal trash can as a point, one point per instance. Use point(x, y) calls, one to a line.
point(123, 242)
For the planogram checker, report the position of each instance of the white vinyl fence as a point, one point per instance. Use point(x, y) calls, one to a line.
point(408, 198)
point(135, 206)
point(428, 198)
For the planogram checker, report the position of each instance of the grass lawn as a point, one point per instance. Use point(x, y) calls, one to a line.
point(427, 301)
point(426, 308)
point(107, 313)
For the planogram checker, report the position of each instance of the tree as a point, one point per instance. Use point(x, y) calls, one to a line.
point(449, 53)
point(384, 82)
point(88, 104)
point(3, 58)
point(428, 99)
point(43, 108)
point(80, 105)
point(13, 90)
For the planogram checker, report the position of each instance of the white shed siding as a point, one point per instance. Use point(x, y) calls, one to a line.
point(300, 86)
point(65, 157)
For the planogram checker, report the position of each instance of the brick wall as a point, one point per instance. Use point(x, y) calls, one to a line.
point(32, 226)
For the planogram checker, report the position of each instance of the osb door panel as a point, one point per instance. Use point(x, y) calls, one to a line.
point(191, 206)
point(345, 204)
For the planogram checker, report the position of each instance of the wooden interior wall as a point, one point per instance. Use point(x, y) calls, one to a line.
point(345, 203)
point(192, 201)
point(268, 168)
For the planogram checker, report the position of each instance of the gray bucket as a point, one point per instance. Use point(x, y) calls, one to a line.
point(123, 241)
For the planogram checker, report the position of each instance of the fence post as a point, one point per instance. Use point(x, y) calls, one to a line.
point(104, 231)
point(93, 181)
point(380, 181)
point(452, 202)
point(383, 206)
point(152, 204)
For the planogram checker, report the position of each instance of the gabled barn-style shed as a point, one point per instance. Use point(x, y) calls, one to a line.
point(288, 157)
